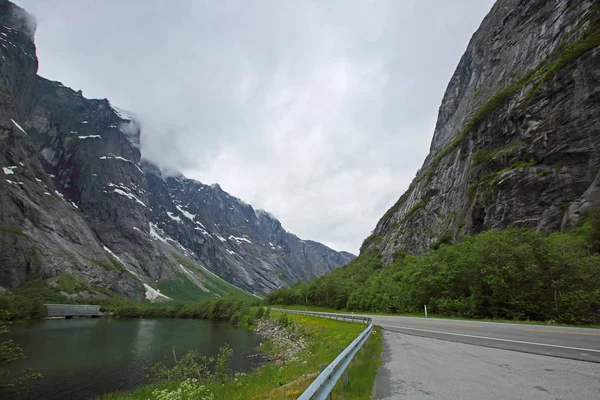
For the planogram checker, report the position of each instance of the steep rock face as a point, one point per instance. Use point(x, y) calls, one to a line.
point(75, 200)
point(246, 247)
point(517, 141)
point(44, 230)
point(91, 150)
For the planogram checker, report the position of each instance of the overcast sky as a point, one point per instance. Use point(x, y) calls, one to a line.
point(319, 112)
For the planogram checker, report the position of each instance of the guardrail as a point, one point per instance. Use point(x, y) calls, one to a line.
point(323, 385)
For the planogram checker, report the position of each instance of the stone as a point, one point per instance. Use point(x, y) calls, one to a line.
point(517, 140)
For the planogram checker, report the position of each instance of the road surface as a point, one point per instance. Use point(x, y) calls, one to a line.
point(450, 359)
point(573, 343)
point(416, 368)
point(441, 359)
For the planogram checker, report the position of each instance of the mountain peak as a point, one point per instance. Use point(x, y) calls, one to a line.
point(15, 18)
point(264, 214)
point(77, 200)
point(247, 247)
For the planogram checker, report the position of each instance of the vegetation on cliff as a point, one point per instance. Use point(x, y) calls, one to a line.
point(512, 97)
point(514, 274)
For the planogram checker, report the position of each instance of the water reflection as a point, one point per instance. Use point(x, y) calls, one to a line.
point(82, 358)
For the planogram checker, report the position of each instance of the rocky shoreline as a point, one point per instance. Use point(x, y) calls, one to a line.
point(286, 341)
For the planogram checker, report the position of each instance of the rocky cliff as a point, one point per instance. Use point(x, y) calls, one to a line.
point(76, 200)
point(517, 141)
point(247, 247)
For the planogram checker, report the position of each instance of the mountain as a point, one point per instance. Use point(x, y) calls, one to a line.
point(248, 247)
point(80, 210)
point(517, 140)
point(503, 219)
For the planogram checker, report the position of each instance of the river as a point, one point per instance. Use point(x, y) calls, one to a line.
point(84, 358)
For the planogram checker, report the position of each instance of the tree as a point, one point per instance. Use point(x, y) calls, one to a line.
point(514, 273)
point(594, 235)
point(9, 353)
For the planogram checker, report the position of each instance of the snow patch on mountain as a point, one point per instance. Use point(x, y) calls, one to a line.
point(114, 157)
point(173, 217)
point(186, 213)
point(18, 126)
point(238, 240)
point(9, 170)
point(154, 232)
point(153, 294)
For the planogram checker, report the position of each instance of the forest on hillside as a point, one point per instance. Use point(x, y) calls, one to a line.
point(516, 274)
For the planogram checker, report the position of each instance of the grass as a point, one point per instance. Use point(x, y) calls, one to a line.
point(481, 157)
point(472, 189)
point(416, 207)
point(434, 316)
point(325, 340)
point(492, 178)
point(182, 288)
point(15, 230)
point(114, 265)
point(221, 286)
point(215, 285)
point(108, 293)
point(37, 289)
point(589, 41)
point(363, 371)
point(70, 283)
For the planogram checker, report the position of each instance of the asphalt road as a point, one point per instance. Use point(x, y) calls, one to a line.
point(440, 359)
point(416, 368)
point(572, 343)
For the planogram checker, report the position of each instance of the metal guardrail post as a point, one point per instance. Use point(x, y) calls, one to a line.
point(323, 385)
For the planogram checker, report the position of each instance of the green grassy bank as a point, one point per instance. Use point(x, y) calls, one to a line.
point(324, 339)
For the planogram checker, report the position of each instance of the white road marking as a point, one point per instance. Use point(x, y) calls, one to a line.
point(491, 338)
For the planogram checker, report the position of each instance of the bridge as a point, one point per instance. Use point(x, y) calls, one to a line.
point(73, 310)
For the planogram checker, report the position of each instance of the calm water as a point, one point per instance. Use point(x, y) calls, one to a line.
point(83, 358)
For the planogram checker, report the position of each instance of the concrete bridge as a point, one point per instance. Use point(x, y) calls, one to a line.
point(73, 310)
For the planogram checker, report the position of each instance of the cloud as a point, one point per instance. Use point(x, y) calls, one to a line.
point(320, 112)
point(23, 21)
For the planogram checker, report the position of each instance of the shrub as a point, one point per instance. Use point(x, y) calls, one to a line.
point(416, 207)
point(594, 233)
point(190, 389)
point(283, 320)
point(481, 157)
point(260, 311)
point(513, 274)
point(9, 353)
point(193, 365)
point(22, 308)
